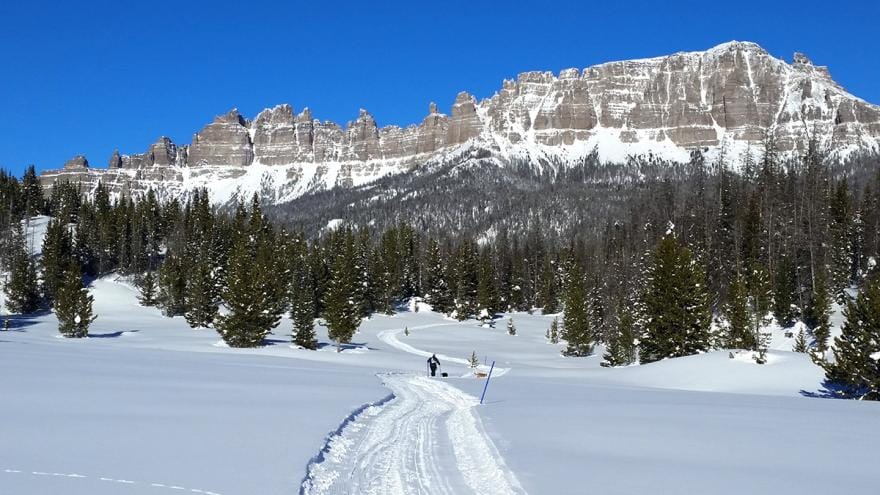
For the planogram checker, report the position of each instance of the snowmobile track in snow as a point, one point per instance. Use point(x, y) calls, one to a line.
point(424, 439)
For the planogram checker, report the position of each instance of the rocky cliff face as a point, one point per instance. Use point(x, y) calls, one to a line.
point(730, 97)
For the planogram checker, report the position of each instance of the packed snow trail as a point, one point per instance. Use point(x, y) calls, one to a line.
point(424, 440)
point(390, 338)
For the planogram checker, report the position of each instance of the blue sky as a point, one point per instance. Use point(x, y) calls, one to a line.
point(88, 77)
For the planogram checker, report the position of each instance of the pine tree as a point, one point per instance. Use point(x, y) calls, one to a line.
point(147, 290)
point(466, 281)
point(473, 362)
point(487, 288)
point(201, 297)
point(436, 285)
point(172, 286)
point(577, 327)
point(784, 293)
point(621, 345)
point(549, 288)
point(596, 308)
point(762, 345)
point(739, 333)
point(365, 287)
point(818, 314)
point(386, 274)
point(511, 328)
point(800, 342)
point(676, 305)
point(85, 242)
point(341, 311)
point(22, 293)
point(303, 306)
point(760, 297)
point(32, 192)
point(553, 332)
point(57, 251)
point(254, 291)
point(73, 305)
point(856, 369)
point(840, 231)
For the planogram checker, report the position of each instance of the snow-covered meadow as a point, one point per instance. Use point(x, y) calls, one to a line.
point(149, 405)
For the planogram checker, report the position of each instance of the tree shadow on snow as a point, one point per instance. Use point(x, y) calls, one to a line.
point(110, 335)
point(346, 347)
point(829, 390)
point(18, 323)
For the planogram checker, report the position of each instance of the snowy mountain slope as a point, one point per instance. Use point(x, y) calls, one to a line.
point(725, 99)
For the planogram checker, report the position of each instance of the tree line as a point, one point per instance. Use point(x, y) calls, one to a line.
point(691, 260)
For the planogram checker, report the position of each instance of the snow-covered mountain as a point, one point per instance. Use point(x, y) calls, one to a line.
point(728, 98)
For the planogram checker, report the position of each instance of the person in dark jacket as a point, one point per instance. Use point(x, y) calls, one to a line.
point(433, 363)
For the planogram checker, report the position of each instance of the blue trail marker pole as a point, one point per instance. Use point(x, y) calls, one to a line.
point(487, 382)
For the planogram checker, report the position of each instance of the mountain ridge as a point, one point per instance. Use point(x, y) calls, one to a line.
point(724, 100)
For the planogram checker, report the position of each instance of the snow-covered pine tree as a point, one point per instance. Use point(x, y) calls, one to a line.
point(201, 297)
point(519, 297)
point(760, 297)
point(553, 332)
point(466, 280)
point(302, 304)
point(85, 243)
point(577, 327)
point(487, 287)
point(739, 332)
point(785, 293)
point(620, 350)
point(800, 342)
point(57, 251)
point(549, 288)
point(596, 308)
point(340, 310)
point(365, 293)
point(386, 272)
point(840, 250)
point(762, 345)
point(22, 292)
point(511, 328)
point(856, 367)
point(172, 285)
point(435, 284)
point(818, 314)
point(408, 246)
point(676, 305)
point(254, 291)
point(31, 192)
point(147, 289)
point(73, 304)
point(473, 362)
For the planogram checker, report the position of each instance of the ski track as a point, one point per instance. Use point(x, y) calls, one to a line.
point(390, 338)
point(424, 440)
point(177, 488)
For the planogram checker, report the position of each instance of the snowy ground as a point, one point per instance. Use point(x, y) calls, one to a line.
point(149, 406)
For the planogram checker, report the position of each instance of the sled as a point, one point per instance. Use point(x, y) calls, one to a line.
point(480, 374)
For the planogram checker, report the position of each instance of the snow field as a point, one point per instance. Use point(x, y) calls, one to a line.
point(146, 399)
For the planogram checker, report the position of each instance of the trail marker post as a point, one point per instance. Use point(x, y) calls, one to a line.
point(486, 386)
